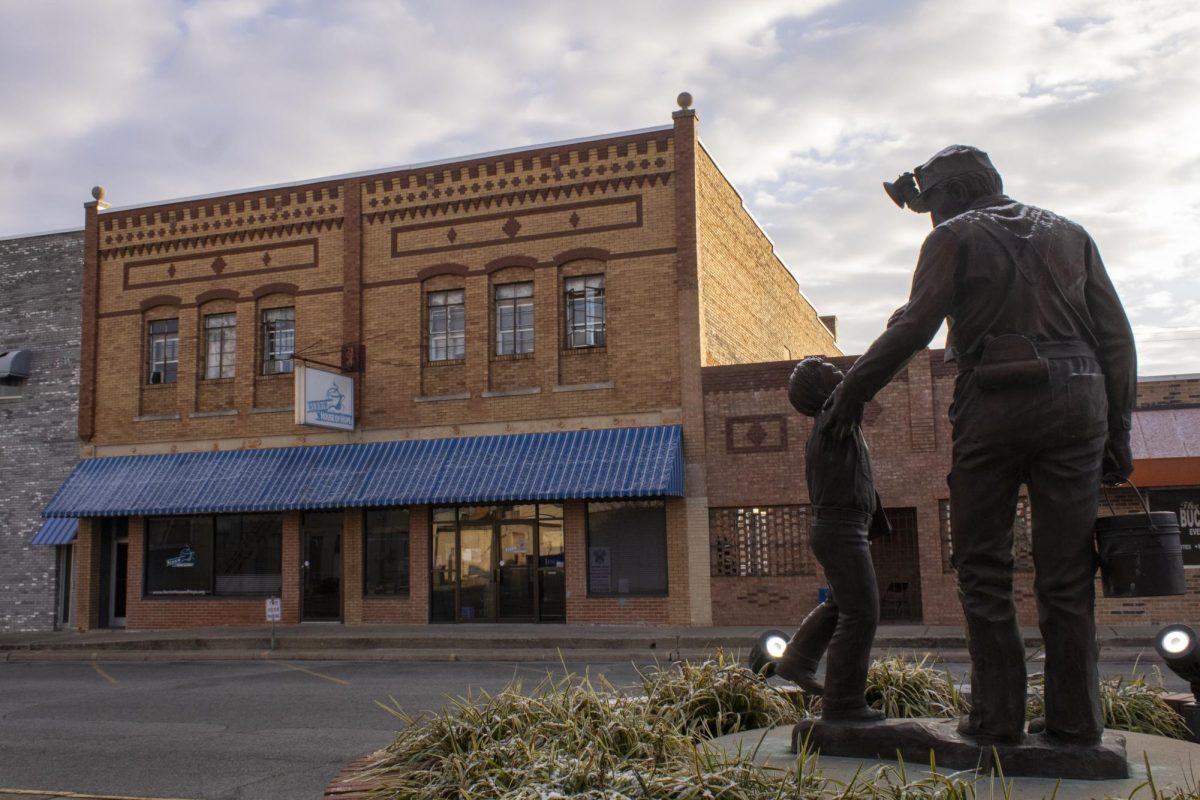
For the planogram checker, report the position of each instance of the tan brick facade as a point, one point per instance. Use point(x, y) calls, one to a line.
point(753, 309)
point(357, 259)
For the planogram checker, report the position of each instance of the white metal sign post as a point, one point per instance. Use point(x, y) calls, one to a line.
point(274, 614)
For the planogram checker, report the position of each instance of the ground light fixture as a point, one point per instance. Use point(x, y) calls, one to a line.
point(1180, 648)
point(766, 651)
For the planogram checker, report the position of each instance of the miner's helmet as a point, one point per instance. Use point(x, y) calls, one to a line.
point(958, 159)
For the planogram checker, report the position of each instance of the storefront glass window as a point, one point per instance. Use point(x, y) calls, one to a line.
point(179, 555)
point(249, 549)
point(627, 548)
point(385, 552)
point(227, 554)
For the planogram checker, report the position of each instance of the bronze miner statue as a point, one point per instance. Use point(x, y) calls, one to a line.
point(846, 512)
point(1045, 389)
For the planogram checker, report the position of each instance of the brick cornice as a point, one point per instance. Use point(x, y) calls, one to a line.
point(518, 198)
point(217, 239)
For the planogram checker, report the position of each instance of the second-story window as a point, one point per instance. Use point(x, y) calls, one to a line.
point(447, 325)
point(584, 303)
point(220, 338)
point(163, 350)
point(514, 318)
point(278, 340)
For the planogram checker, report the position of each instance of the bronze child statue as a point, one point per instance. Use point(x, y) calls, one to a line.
point(845, 513)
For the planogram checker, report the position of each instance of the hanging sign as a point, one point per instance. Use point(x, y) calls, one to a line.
point(1186, 505)
point(324, 398)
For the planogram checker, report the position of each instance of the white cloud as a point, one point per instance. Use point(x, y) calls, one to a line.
point(1088, 108)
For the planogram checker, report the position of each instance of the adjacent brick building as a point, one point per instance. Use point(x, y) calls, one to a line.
point(762, 569)
point(39, 317)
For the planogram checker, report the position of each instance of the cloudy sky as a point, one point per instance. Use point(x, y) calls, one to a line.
point(1091, 109)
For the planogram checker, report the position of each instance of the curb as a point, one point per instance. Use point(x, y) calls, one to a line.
point(344, 786)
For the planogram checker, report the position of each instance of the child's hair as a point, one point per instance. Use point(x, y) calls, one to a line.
point(812, 381)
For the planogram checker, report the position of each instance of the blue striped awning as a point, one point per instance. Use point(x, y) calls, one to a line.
point(60, 530)
point(567, 465)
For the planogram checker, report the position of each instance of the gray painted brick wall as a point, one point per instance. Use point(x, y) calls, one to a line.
point(40, 283)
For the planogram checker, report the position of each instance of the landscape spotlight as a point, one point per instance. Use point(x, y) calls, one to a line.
point(1178, 646)
point(766, 651)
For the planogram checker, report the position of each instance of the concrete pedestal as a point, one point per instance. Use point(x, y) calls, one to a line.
point(916, 741)
point(1173, 764)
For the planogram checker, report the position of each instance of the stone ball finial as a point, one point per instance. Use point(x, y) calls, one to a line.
point(684, 100)
point(97, 193)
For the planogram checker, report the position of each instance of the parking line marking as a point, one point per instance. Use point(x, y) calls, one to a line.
point(311, 672)
point(77, 795)
point(101, 672)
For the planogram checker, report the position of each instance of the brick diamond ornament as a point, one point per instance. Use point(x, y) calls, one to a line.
point(757, 434)
point(171, 271)
point(452, 235)
point(266, 259)
point(218, 265)
point(574, 219)
point(512, 227)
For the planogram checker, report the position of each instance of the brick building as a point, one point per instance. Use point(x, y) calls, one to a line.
point(762, 569)
point(522, 334)
point(559, 376)
point(39, 389)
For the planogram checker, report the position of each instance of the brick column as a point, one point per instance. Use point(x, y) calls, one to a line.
point(88, 332)
point(419, 561)
point(576, 557)
point(352, 262)
point(352, 566)
point(290, 591)
point(698, 608)
point(87, 569)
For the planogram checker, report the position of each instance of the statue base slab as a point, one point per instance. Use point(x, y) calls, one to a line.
point(915, 740)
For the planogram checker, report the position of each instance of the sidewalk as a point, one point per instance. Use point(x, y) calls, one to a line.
point(491, 642)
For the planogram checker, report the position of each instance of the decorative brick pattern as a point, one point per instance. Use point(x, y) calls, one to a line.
point(762, 433)
point(760, 542)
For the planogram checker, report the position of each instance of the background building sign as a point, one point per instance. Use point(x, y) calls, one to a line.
point(324, 398)
point(1186, 505)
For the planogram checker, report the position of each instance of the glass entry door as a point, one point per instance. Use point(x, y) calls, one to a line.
point(321, 566)
point(497, 564)
point(477, 573)
point(516, 576)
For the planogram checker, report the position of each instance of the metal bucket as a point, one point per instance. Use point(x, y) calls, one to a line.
point(1140, 554)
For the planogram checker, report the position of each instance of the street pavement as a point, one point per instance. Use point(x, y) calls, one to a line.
point(220, 730)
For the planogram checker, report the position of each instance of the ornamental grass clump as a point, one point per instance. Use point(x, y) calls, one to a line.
point(1128, 704)
point(901, 687)
point(566, 739)
point(717, 697)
